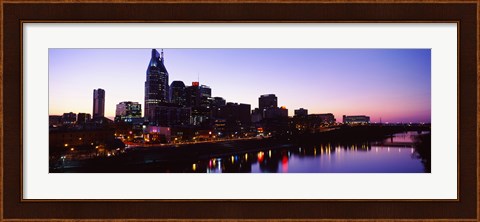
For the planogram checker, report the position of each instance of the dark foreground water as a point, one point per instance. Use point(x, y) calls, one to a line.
point(393, 155)
point(401, 153)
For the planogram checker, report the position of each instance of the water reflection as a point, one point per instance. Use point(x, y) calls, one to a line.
point(401, 156)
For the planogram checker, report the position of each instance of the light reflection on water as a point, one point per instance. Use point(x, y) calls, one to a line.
point(322, 158)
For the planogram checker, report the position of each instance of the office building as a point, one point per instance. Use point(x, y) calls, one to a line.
point(267, 101)
point(193, 95)
point(98, 104)
point(83, 118)
point(205, 96)
point(218, 101)
point(177, 93)
point(275, 112)
point(169, 115)
point(156, 85)
point(237, 117)
point(360, 119)
point(69, 118)
point(128, 111)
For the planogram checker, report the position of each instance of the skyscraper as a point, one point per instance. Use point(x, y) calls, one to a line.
point(193, 95)
point(177, 93)
point(205, 95)
point(156, 85)
point(267, 101)
point(98, 103)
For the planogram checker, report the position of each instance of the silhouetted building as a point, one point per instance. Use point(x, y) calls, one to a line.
point(178, 95)
point(193, 95)
point(156, 85)
point(237, 118)
point(205, 95)
point(128, 111)
point(83, 118)
point(69, 118)
point(275, 112)
point(267, 101)
point(325, 118)
point(361, 119)
point(73, 138)
point(98, 104)
point(268, 105)
point(218, 101)
point(169, 115)
point(257, 115)
point(54, 120)
point(201, 116)
point(301, 112)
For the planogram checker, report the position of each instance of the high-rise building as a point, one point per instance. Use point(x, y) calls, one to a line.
point(205, 95)
point(177, 93)
point(267, 101)
point(193, 95)
point(98, 103)
point(127, 111)
point(156, 85)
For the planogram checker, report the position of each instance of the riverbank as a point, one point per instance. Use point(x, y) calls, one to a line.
point(162, 158)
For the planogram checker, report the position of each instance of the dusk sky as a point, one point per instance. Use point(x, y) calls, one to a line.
point(391, 84)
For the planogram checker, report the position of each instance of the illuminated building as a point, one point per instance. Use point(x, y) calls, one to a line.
point(200, 116)
point(98, 104)
point(67, 138)
point(128, 111)
point(156, 85)
point(360, 119)
point(157, 134)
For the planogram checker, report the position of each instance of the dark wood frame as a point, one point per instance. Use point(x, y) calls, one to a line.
point(465, 13)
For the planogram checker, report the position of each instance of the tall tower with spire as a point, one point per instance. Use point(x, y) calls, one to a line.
point(156, 85)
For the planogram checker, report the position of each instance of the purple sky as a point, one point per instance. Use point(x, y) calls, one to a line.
point(392, 84)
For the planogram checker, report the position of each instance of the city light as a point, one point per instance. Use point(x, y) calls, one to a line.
point(183, 121)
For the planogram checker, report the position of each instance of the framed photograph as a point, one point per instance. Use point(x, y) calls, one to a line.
point(239, 110)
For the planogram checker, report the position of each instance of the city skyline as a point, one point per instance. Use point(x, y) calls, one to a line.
point(391, 84)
